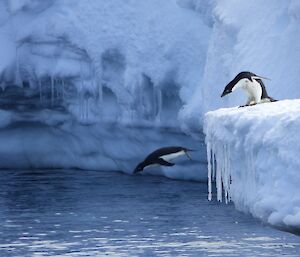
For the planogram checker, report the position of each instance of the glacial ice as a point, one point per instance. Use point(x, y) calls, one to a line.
point(77, 75)
point(252, 155)
point(162, 62)
point(79, 56)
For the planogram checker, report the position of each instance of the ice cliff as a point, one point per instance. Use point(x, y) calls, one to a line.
point(69, 69)
point(162, 62)
point(253, 157)
point(79, 77)
point(122, 61)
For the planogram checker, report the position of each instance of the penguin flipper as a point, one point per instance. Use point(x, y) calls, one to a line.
point(164, 163)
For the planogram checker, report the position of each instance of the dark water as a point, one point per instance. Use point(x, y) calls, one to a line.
point(83, 213)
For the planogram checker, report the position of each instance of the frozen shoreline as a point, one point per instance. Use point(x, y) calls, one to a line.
point(253, 154)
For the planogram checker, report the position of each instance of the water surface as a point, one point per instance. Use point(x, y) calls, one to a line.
point(92, 213)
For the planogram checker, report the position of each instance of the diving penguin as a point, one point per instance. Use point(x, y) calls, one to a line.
point(253, 86)
point(162, 156)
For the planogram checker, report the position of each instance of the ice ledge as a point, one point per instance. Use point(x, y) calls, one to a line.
point(253, 155)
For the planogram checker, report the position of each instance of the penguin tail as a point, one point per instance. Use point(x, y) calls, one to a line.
point(273, 100)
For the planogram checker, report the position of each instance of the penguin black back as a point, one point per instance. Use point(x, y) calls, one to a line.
point(264, 91)
point(252, 84)
point(165, 151)
point(160, 155)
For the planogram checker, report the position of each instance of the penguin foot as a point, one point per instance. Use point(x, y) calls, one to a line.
point(242, 106)
point(250, 104)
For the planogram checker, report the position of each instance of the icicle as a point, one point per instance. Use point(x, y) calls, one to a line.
point(40, 90)
point(228, 173)
point(219, 174)
point(99, 87)
point(219, 166)
point(209, 159)
point(63, 90)
point(18, 80)
point(158, 104)
point(100, 93)
point(213, 164)
point(87, 108)
point(225, 175)
point(52, 91)
point(56, 83)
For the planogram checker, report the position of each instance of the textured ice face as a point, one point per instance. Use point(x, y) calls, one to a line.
point(134, 68)
point(251, 156)
point(180, 53)
point(35, 6)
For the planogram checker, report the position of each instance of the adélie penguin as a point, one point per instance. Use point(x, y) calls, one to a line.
point(252, 84)
point(162, 157)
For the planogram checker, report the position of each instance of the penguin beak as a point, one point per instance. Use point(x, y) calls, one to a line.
point(259, 77)
point(226, 92)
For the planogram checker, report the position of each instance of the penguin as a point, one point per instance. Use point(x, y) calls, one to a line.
point(253, 85)
point(162, 157)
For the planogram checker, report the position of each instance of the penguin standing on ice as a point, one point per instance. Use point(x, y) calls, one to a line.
point(253, 86)
point(162, 157)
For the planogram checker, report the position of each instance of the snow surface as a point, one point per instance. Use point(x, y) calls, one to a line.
point(253, 158)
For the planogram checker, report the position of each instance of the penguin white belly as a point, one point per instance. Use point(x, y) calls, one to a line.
point(151, 166)
point(254, 91)
point(172, 156)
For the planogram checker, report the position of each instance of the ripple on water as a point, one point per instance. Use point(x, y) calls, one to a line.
point(70, 218)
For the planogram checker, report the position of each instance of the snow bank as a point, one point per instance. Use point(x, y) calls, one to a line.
point(259, 36)
point(253, 155)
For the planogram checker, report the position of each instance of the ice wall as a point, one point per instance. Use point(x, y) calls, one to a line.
point(147, 62)
point(125, 61)
point(83, 83)
point(51, 140)
point(253, 158)
point(258, 36)
point(144, 63)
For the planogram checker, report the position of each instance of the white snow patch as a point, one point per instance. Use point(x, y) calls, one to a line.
point(253, 156)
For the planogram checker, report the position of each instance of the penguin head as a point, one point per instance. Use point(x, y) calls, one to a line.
point(140, 167)
point(242, 80)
